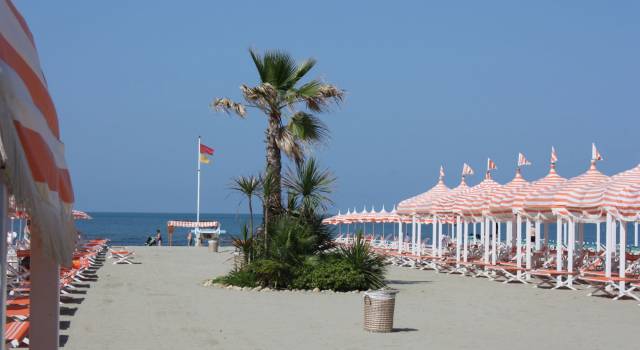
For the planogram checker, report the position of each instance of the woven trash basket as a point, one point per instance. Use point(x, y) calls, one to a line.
point(379, 306)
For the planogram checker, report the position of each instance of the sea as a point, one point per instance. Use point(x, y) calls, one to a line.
point(133, 228)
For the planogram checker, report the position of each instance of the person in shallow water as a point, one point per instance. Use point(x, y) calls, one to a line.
point(158, 238)
point(189, 239)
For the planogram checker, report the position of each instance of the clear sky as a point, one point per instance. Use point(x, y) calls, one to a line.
point(428, 83)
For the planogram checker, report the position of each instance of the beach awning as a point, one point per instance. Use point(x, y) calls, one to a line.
point(414, 204)
point(193, 224)
point(476, 201)
point(502, 201)
point(32, 154)
point(81, 215)
point(443, 206)
point(530, 201)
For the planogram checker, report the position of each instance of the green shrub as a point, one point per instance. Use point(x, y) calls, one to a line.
point(270, 273)
point(240, 278)
point(334, 274)
point(364, 260)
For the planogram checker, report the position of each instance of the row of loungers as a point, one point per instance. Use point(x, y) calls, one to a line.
point(87, 259)
point(588, 268)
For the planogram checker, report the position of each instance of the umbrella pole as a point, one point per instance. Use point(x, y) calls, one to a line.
point(538, 235)
point(559, 248)
point(608, 246)
point(466, 241)
point(635, 233)
point(623, 255)
point(571, 247)
point(519, 243)
point(598, 237)
point(400, 234)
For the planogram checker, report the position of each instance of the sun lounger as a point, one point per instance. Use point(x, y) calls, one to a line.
point(121, 256)
point(610, 286)
point(553, 278)
point(15, 333)
point(507, 272)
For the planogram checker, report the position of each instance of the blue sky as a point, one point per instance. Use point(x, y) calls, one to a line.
point(428, 83)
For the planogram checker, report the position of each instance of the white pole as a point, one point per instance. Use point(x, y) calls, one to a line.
point(598, 249)
point(458, 240)
point(487, 235)
point(538, 243)
point(623, 254)
point(608, 246)
point(635, 237)
point(482, 229)
point(571, 246)
point(509, 234)
point(518, 243)
point(440, 238)
point(414, 228)
point(434, 236)
point(496, 233)
point(559, 248)
point(466, 240)
point(475, 239)
point(198, 192)
point(527, 236)
point(400, 236)
point(419, 248)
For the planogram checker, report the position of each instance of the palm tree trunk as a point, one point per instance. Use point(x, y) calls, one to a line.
point(251, 227)
point(274, 165)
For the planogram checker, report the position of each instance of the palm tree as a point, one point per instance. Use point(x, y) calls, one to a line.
point(288, 107)
point(249, 186)
point(308, 187)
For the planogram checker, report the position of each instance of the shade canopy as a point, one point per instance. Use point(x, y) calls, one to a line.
point(417, 203)
point(529, 201)
point(31, 151)
point(503, 199)
point(193, 224)
point(476, 201)
point(443, 207)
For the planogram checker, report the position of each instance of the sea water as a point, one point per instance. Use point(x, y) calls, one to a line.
point(134, 228)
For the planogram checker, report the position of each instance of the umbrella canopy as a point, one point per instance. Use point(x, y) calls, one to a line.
point(443, 206)
point(531, 201)
point(476, 201)
point(578, 192)
point(31, 151)
point(412, 205)
point(622, 195)
point(80, 215)
point(502, 202)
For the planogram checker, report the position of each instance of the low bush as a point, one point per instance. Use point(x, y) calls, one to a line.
point(330, 273)
point(240, 278)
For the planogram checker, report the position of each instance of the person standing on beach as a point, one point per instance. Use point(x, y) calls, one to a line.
point(158, 238)
point(189, 238)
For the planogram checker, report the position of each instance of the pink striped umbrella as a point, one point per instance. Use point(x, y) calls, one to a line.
point(411, 206)
point(622, 195)
point(531, 200)
point(476, 201)
point(444, 205)
point(579, 191)
point(502, 202)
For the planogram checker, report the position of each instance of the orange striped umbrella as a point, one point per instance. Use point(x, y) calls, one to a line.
point(32, 151)
point(622, 195)
point(502, 202)
point(579, 191)
point(414, 204)
point(476, 201)
point(531, 200)
point(443, 206)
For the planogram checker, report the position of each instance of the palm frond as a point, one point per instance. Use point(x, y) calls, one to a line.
point(279, 68)
point(257, 60)
point(301, 70)
point(307, 128)
point(227, 105)
point(247, 185)
point(290, 145)
point(310, 184)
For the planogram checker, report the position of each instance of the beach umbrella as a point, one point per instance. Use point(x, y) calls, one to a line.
point(472, 205)
point(442, 211)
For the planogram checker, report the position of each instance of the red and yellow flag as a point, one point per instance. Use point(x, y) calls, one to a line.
point(204, 151)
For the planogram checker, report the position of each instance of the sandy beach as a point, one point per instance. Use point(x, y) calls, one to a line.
point(161, 304)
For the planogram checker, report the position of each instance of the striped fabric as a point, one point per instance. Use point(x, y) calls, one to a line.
point(414, 204)
point(443, 206)
point(502, 201)
point(622, 195)
point(476, 201)
point(557, 198)
point(518, 201)
point(16, 331)
point(36, 171)
point(193, 224)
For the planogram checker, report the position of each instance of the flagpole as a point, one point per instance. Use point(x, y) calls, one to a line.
point(198, 192)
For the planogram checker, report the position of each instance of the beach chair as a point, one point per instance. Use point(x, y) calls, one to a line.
point(121, 256)
point(507, 273)
point(15, 333)
point(610, 286)
point(553, 278)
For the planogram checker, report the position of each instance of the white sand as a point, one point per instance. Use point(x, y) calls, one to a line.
point(160, 304)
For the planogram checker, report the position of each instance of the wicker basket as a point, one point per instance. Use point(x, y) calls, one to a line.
point(378, 310)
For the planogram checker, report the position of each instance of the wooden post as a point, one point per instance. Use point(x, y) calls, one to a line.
point(45, 298)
